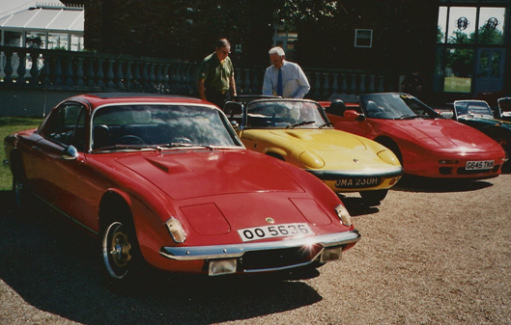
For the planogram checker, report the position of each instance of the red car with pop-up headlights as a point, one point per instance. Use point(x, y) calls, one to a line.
point(165, 182)
point(426, 143)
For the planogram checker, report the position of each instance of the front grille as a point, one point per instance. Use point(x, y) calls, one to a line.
point(277, 258)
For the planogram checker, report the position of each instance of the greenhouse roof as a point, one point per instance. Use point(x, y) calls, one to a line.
point(45, 18)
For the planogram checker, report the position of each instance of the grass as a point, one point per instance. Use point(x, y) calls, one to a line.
point(9, 125)
point(457, 85)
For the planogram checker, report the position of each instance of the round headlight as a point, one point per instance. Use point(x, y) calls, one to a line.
point(311, 160)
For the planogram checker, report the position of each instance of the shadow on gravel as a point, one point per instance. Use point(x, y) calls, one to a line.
point(434, 185)
point(56, 268)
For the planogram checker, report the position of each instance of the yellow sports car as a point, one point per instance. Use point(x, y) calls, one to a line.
point(298, 131)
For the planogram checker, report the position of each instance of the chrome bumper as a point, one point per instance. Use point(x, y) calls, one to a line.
point(334, 175)
point(238, 250)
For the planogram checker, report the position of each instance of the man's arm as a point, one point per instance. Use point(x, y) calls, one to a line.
point(303, 82)
point(232, 85)
point(202, 89)
point(267, 83)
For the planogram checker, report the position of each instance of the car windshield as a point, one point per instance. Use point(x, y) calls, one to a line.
point(285, 114)
point(504, 104)
point(160, 126)
point(472, 108)
point(395, 106)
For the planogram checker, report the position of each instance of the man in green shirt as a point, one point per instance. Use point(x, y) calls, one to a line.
point(216, 75)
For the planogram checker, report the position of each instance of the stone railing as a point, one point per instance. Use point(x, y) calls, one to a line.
point(31, 68)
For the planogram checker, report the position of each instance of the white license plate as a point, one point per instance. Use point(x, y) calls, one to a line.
point(285, 230)
point(479, 165)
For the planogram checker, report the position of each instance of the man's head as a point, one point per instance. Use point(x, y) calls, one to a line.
point(277, 56)
point(222, 49)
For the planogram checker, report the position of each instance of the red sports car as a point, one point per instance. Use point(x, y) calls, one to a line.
point(164, 181)
point(425, 143)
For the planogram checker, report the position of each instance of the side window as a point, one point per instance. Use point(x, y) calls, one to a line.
point(67, 126)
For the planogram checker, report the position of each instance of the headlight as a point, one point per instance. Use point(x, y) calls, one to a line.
point(388, 157)
point(343, 215)
point(176, 230)
point(311, 160)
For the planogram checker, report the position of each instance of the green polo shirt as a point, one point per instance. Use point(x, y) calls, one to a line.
point(216, 75)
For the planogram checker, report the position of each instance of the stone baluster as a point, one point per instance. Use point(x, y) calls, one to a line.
point(317, 86)
point(326, 86)
point(152, 76)
point(34, 70)
point(372, 87)
point(137, 75)
point(22, 69)
point(344, 83)
point(362, 87)
point(69, 72)
point(159, 77)
point(90, 73)
point(57, 81)
point(79, 72)
point(335, 83)
point(101, 74)
point(380, 83)
point(46, 72)
point(110, 74)
point(129, 75)
point(174, 79)
point(144, 82)
point(166, 78)
point(353, 87)
point(8, 67)
point(246, 82)
point(119, 76)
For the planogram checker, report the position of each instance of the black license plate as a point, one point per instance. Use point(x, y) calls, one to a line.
point(357, 182)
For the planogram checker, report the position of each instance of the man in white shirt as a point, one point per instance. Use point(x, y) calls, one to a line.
point(292, 82)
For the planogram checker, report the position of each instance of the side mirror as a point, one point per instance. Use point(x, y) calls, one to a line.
point(352, 115)
point(447, 115)
point(69, 153)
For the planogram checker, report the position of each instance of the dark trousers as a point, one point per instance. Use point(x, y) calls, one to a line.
point(217, 97)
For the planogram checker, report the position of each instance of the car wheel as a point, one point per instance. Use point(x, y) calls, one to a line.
point(373, 197)
point(120, 251)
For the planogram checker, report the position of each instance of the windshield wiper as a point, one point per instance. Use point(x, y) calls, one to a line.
point(325, 125)
point(410, 117)
point(182, 145)
point(291, 126)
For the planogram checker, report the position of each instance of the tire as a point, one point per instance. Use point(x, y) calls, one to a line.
point(120, 252)
point(373, 197)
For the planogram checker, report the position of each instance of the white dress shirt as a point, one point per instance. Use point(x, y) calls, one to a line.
point(295, 82)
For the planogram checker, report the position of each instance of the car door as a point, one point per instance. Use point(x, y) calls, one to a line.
point(60, 178)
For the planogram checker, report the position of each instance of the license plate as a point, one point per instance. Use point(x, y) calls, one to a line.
point(285, 230)
point(479, 165)
point(357, 182)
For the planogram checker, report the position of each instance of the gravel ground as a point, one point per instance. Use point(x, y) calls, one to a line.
point(431, 253)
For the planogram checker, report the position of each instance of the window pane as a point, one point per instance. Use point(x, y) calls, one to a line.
point(458, 70)
point(491, 26)
point(442, 28)
point(462, 24)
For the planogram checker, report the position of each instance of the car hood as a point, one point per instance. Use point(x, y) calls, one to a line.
point(442, 135)
point(338, 149)
point(198, 173)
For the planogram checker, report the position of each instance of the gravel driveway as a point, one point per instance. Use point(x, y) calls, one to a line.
point(432, 253)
